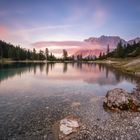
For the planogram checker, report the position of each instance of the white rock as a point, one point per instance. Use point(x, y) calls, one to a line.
point(67, 126)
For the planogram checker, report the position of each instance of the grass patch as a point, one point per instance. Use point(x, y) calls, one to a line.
point(129, 65)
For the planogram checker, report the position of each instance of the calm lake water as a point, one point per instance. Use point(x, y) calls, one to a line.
point(34, 80)
point(35, 96)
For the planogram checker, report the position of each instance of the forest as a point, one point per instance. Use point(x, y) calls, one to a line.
point(12, 52)
point(8, 50)
point(122, 51)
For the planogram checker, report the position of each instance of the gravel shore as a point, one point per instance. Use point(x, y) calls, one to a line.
point(24, 118)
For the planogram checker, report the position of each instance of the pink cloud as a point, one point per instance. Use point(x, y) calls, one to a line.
point(70, 50)
point(65, 44)
point(57, 43)
point(3, 31)
point(71, 46)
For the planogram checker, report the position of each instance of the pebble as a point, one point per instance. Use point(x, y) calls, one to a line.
point(37, 119)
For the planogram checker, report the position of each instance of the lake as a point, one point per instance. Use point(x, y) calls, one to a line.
point(33, 96)
point(57, 78)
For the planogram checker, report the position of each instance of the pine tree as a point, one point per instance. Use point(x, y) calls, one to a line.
point(46, 53)
point(1, 52)
point(120, 50)
point(108, 49)
point(10, 52)
point(65, 54)
point(41, 55)
point(138, 51)
point(34, 54)
point(100, 55)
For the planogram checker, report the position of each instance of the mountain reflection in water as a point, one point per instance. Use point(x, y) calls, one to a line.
point(63, 75)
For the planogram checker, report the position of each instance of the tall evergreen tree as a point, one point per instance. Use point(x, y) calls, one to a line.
point(10, 52)
point(34, 54)
point(41, 55)
point(108, 49)
point(120, 50)
point(138, 51)
point(1, 52)
point(100, 55)
point(65, 54)
point(47, 53)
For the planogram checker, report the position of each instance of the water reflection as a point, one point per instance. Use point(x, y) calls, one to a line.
point(65, 67)
point(11, 70)
point(89, 72)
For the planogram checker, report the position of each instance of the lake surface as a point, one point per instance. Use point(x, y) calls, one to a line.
point(58, 78)
point(34, 96)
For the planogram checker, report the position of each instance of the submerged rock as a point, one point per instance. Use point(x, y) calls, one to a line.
point(67, 128)
point(119, 99)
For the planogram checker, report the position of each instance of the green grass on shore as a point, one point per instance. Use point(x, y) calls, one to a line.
point(129, 65)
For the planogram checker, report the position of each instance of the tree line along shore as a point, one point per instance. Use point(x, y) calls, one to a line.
point(125, 57)
point(9, 52)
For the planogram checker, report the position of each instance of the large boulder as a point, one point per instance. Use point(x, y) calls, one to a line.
point(119, 99)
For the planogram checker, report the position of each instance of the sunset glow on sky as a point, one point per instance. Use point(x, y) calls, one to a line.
point(59, 24)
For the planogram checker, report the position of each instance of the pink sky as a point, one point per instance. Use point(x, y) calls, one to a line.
point(54, 24)
point(70, 46)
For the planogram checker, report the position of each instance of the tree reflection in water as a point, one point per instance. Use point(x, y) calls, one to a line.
point(90, 72)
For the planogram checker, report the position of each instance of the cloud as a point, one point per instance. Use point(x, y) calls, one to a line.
point(57, 43)
point(81, 20)
point(94, 12)
point(9, 35)
point(62, 44)
point(59, 51)
point(71, 46)
point(99, 18)
point(45, 28)
point(40, 32)
point(4, 31)
point(25, 35)
point(7, 11)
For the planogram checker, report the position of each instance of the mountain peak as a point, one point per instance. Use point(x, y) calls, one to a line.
point(101, 43)
point(103, 40)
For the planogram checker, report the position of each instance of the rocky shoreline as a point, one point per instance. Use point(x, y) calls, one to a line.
point(123, 122)
point(84, 116)
point(120, 100)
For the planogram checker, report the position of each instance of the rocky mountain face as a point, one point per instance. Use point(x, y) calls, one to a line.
point(102, 42)
point(136, 40)
point(88, 53)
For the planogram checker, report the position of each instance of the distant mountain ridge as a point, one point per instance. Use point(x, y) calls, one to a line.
point(136, 40)
point(102, 42)
point(112, 41)
point(88, 53)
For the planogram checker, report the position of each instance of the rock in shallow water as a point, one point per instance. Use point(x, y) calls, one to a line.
point(119, 99)
point(66, 128)
point(68, 125)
